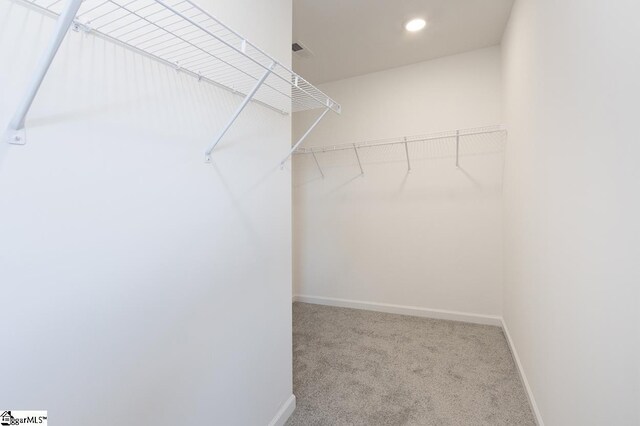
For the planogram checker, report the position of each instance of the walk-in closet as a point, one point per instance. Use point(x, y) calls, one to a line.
point(319, 213)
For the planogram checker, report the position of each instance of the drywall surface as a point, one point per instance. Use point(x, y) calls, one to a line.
point(430, 238)
point(139, 284)
point(572, 181)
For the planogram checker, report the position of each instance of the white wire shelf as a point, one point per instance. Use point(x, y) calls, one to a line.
point(454, 135)
point(181, 34)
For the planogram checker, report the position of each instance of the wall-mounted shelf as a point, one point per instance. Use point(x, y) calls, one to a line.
point(180, 34)
point(456, 136)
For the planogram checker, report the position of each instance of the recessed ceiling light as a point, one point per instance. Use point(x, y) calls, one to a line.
point(415, 25)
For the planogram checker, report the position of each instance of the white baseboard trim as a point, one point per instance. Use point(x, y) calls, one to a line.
point(523, 377)
point(402, 310)
point(284, 412)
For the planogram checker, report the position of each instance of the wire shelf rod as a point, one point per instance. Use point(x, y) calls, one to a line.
point(400, 141)
point(227, 44)
point(142, 52)
point(141, 35)
point(181, 34)
point(224, 42)
point(156, 53)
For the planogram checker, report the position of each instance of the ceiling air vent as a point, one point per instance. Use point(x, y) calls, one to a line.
point(301, 50)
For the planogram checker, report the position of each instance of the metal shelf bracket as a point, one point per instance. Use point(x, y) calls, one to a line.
point(458, 148)
point(318, 164)
point(355, 149)
point(242, 106)
point(406, 150)
point(15, 133)
point(297, 144)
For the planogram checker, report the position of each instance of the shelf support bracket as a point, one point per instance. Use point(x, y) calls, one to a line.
point(457, 148)
point(297, 144)
point(242, 106)
point(317, 164)
point(406, 150)
point(355, 149)
point(15, 133)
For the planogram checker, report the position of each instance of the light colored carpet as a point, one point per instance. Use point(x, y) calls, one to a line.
point(354, 367)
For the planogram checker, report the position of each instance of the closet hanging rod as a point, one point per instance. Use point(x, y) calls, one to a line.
point(401, 140)
point(405, 141)
point(181, 34)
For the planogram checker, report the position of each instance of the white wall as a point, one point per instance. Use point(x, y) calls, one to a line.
point(571, 207)
point(138, 284)
point(430, 238)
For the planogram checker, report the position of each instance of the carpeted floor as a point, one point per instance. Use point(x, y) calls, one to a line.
point(353, 367)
